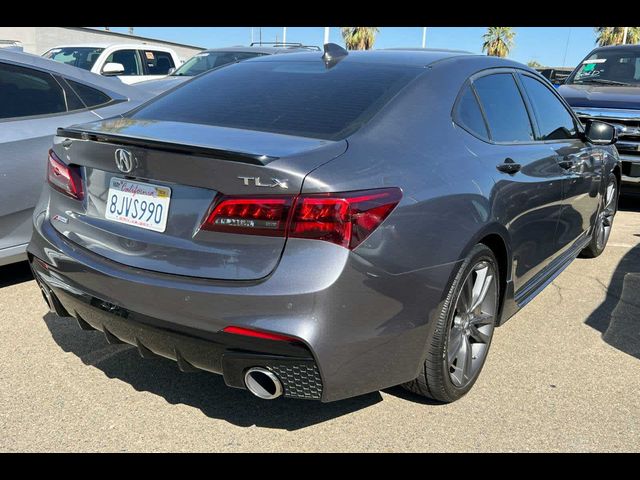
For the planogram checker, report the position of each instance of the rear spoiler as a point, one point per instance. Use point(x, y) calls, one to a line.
point(220, 154)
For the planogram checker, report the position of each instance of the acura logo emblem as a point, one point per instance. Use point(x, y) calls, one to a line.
point(125, 160)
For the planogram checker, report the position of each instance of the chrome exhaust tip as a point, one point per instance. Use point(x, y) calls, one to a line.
point(263, 383)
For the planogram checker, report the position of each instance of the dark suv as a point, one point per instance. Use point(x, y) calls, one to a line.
point(604, 86)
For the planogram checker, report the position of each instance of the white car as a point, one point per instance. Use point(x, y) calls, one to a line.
point(131, 63)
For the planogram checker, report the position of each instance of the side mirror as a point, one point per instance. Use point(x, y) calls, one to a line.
point(113, 69)
point(600, 133)
point(171, 70)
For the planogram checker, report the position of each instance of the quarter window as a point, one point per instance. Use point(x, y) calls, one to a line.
point(504, 108)
point(90, 96)
point(467, 113)
point(129, 60)
point(554, 121)
point(26, 92)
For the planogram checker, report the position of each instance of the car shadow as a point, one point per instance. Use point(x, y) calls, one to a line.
point(14, 274)
point(618, 316)
point(202, 390)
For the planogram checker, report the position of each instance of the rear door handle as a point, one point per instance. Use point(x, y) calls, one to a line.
point(509, 166)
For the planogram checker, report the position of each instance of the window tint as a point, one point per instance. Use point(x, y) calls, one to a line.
point(73, 100)
point(129, 60)
point(554, 121)
point(204, 61)
point(504, 108)
point(25, 92)
point(467, 113)
point(288, 97)
point(90, 96)
point(81, 57)
point(158, 63)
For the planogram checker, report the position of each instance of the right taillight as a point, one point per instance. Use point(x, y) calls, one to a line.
point(63, 178)
point(345, 219)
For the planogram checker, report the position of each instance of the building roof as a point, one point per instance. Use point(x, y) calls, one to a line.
point(133, 37)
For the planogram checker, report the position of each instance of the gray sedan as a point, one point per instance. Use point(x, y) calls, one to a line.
point(36, 97)
point(322, 226)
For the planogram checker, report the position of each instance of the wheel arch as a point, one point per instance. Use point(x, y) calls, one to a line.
point(496, 237)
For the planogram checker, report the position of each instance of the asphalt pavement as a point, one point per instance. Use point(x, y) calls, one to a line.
point(562, 375)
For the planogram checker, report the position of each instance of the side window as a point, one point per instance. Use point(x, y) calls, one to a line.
point(90, 96)
point(504, 108)
point(157, 63)
point(73, 100)
point(26, 92)
point(554, 121)
point(468, 115)
point(129, 60)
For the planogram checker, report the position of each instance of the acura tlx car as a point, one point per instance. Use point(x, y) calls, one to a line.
point(322, 225)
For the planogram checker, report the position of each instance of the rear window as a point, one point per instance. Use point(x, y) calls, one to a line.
point(293, 98)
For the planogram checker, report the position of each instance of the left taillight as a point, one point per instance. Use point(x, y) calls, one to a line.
point(64, 178)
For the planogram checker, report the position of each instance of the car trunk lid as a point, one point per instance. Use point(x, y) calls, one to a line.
point(195, 163)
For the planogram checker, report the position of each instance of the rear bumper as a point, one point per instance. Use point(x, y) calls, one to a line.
point(222, 353)
point(360, 329)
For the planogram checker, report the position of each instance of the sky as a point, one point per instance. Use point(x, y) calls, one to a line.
point(550, 46)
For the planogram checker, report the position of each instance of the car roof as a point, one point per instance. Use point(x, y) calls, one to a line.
point(408, 57)
point(107, 45)
point(73, 73)
point(257, 49)
point(618, 47)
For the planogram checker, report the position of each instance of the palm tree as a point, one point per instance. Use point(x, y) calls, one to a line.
point(615, 35)
point(534, 64)
point(498, 41)
point(359, 38)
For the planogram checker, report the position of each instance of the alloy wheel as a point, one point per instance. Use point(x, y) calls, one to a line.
point(473, 324)
point(605, 218)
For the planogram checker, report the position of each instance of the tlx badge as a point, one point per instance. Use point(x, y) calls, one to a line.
point(255, 181)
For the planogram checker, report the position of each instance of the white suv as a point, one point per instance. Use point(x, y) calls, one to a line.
point(131, 63)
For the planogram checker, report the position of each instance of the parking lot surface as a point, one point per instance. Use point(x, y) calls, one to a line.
point(562, 375)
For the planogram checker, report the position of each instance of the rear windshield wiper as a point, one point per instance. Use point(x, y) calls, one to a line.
point(602, 81)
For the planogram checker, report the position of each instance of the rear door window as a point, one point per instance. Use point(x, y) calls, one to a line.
point(504, 108)
point(157, 63)
point(468, 115)
point(129, 59)
point(26, 92)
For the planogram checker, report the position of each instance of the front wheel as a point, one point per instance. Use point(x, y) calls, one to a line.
point(459, 347)
point(604, 220)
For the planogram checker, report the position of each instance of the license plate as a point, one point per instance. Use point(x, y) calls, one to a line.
point(139, 204)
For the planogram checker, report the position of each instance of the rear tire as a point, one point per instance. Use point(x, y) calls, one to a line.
point(604, 219)
point(458, 349)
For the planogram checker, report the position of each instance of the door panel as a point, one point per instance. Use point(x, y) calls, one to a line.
point(583, 169)
point(23, 158)
point(581, 165)
point(528, 194)
point(529, 204)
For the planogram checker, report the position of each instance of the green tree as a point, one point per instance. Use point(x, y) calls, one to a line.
point(498, 41)
point(534, 64)
point(614, 35)
point(359, 38)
